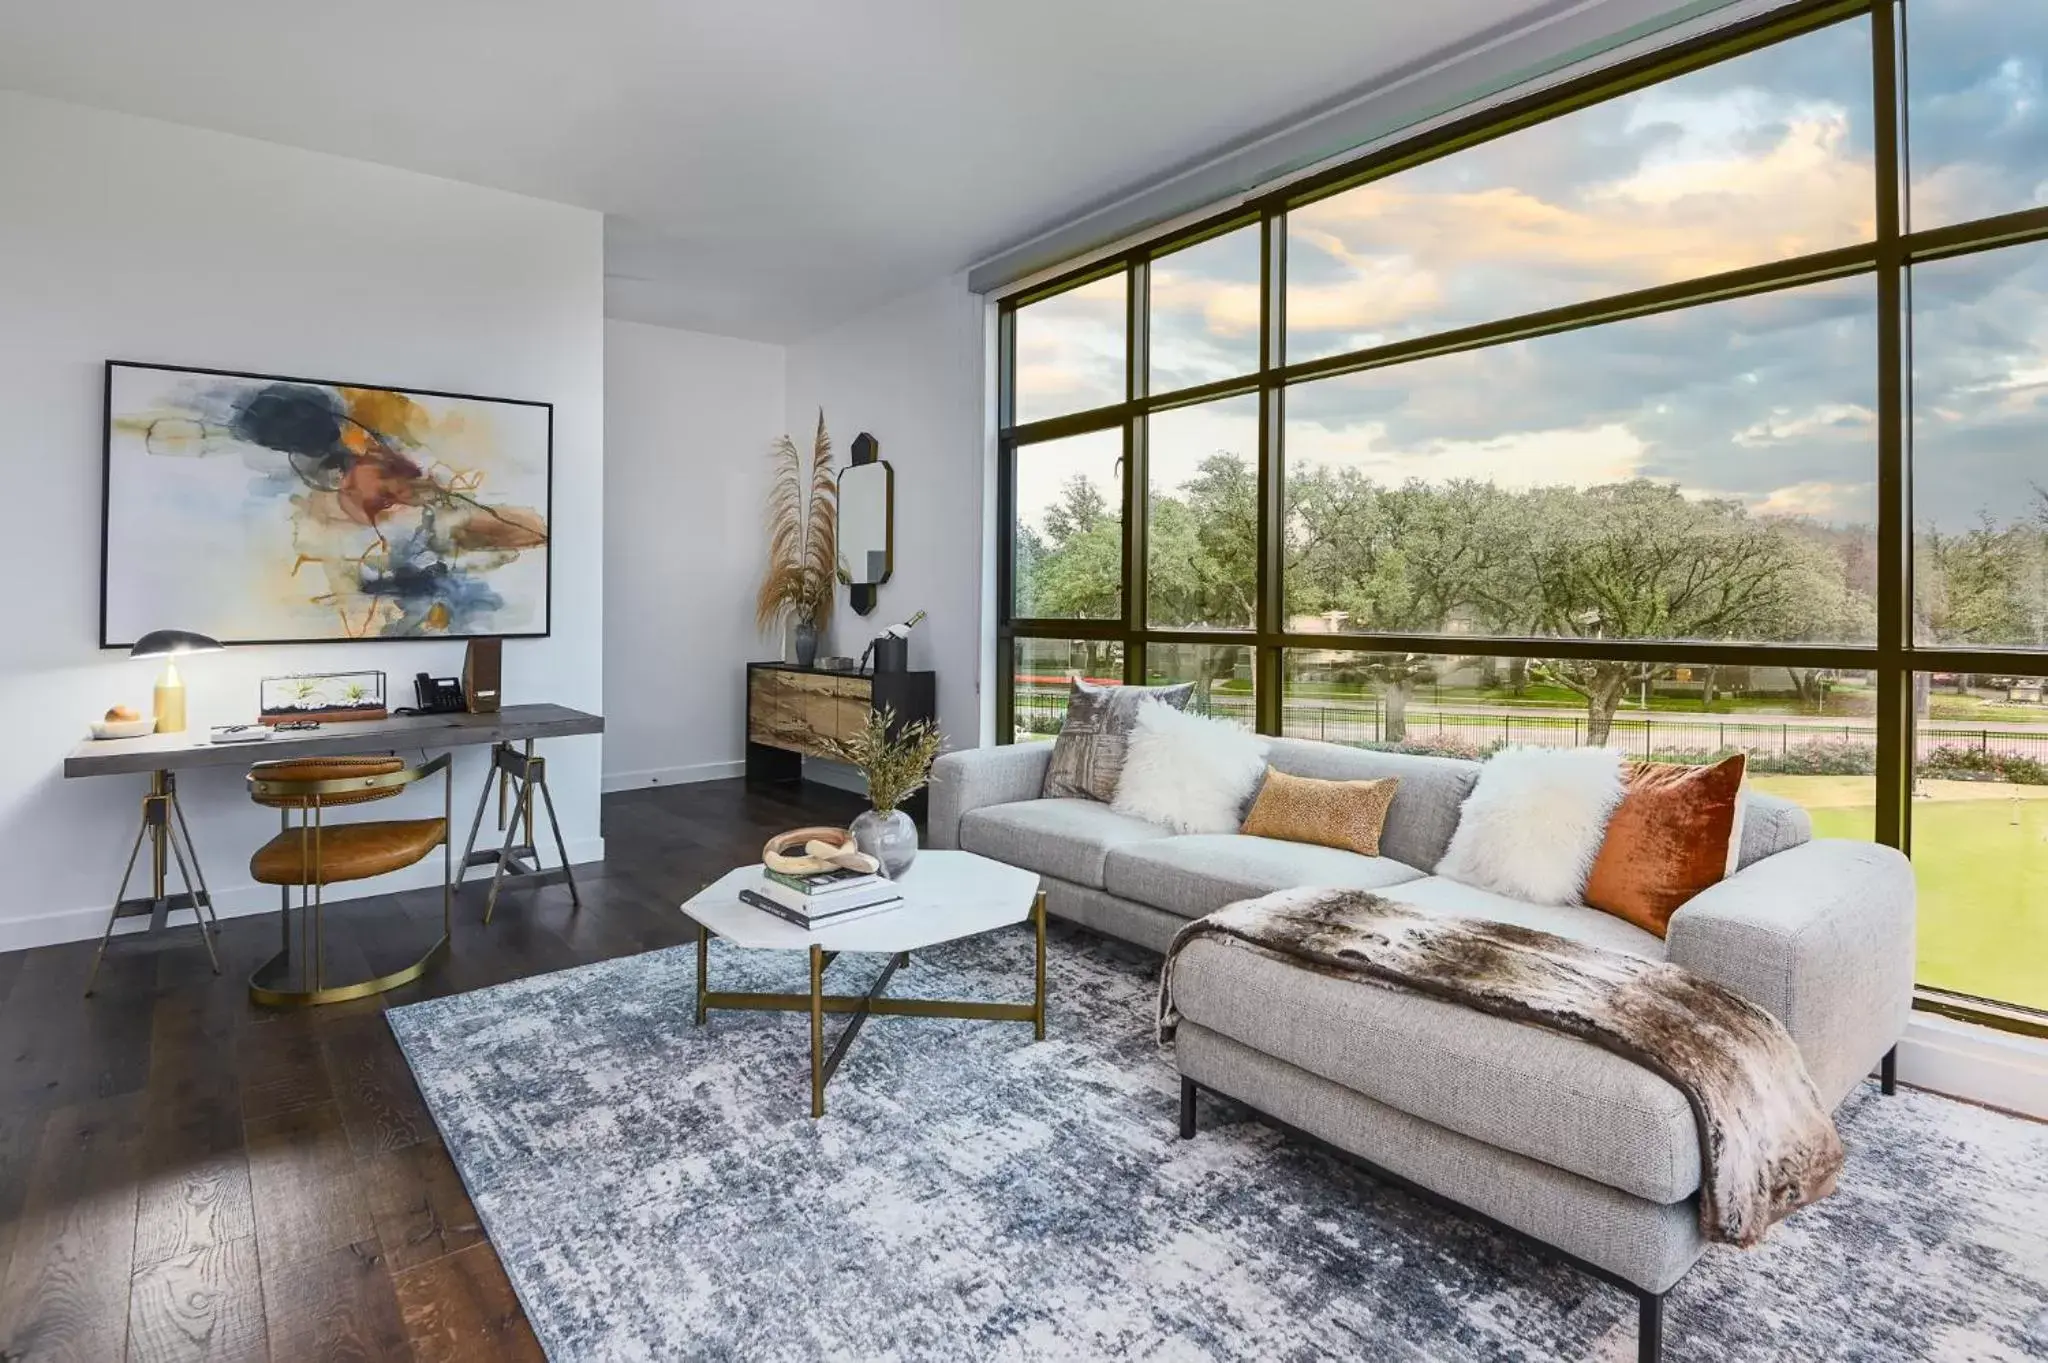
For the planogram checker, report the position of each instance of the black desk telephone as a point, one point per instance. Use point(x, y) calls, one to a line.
point(438, 695)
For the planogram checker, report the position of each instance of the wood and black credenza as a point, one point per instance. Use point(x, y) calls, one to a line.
point(793, 712)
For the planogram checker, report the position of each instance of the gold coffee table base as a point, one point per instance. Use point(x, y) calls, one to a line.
point(870, 1004)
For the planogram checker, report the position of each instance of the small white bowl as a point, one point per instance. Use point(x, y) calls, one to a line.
point(123, 728)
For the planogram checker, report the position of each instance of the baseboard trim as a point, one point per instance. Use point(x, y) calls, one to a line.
point(244, 900)
point(1977, 1064)
point(615, 781)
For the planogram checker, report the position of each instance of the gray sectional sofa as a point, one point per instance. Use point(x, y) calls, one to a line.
point(1549, 1136)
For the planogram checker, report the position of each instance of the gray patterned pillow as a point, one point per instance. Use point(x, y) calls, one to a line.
point(1088, 756)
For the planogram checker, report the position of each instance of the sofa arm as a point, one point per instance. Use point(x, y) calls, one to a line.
point(978, 777)
point(1821, 936)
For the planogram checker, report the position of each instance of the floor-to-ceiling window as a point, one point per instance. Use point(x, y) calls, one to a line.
point(1698, 407)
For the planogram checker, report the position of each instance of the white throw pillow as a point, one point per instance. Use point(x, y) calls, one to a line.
point(1532, 826)
point(1191, 774)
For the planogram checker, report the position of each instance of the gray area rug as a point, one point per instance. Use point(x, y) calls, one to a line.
point(657, 1191)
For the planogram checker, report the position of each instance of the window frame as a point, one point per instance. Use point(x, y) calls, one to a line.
point(1893, 656)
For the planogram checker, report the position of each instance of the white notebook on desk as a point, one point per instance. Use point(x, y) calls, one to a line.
point(239, 733)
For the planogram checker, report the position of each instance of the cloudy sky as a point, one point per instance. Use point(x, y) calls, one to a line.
point(1770, 400)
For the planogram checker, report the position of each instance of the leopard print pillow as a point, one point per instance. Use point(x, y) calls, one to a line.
point(1346, 814)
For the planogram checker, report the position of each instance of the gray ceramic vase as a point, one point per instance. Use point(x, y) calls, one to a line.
point(889, 838)
point(806, 643)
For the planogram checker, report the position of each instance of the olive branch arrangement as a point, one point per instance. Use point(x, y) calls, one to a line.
point(896, 759)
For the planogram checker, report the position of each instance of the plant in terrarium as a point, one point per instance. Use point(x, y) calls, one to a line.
point(305, 693)
point(355, 694)
point(897, 761)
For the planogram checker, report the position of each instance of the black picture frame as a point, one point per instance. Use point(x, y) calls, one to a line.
point(107, 497)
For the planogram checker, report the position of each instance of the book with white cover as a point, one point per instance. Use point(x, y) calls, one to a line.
point(817, 906)
point(787, 915)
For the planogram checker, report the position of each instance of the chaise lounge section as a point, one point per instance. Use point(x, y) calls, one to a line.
point(1554, 1138)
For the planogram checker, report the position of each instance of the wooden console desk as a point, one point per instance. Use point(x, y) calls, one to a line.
point(162, 756)
point(181, 752)
point(793, 713)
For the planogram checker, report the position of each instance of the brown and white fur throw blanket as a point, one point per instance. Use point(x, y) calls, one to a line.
point(1766, 1145)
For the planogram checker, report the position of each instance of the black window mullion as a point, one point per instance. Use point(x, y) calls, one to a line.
point(1895, 745)
point(1006, 523)
point(1138, 331)
point(1006, 368)
point(1272, 538)
point(1841, 657)
point(1138, 356)
point(1136, 507)
point(1006, 688)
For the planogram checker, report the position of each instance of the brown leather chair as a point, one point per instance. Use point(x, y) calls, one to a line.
point(313, 854)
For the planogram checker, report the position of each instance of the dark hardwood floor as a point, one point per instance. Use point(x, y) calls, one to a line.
point(186, 1176)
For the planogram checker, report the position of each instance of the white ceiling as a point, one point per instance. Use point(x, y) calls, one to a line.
point(769, 167)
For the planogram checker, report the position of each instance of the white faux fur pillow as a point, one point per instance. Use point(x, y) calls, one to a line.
point(1532, 826)
point(1186, 772)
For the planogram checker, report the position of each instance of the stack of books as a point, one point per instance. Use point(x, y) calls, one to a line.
point(823, 897)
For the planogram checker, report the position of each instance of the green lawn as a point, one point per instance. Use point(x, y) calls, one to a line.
point(1946, 707)
point(1982, 865)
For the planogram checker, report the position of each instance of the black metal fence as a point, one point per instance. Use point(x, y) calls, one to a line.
point(1656, 735)
point(1041, 711)
point(1644, 736)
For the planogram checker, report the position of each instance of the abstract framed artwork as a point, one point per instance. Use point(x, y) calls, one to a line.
point(262, 509)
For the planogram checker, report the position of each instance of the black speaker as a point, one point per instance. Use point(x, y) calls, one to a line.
point(483, 669)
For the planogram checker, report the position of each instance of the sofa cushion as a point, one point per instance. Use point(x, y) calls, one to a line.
point(1451, 899)
point(1202, 872)
point(1770, 825)
point(1065, 838)
point(1554, 1098)
point(1424, 813)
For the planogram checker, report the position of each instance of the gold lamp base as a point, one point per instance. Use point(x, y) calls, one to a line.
point(170, 701)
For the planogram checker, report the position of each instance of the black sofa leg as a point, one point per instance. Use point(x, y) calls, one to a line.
point(1650, 1328)
point(1888, 1072)
point(1187, 1108)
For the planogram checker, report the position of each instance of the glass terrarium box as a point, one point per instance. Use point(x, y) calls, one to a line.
point(322, 696)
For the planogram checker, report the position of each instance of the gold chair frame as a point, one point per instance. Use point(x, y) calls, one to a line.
point(268, 982)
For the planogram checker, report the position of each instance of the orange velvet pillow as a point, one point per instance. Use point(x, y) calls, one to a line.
point(1671, 837)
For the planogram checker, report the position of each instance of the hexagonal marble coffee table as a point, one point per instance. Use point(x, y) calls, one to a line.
point(946, 896)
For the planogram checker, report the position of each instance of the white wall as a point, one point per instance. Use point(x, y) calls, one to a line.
point(689, 419)
point(124, 238)
point(910, 373)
